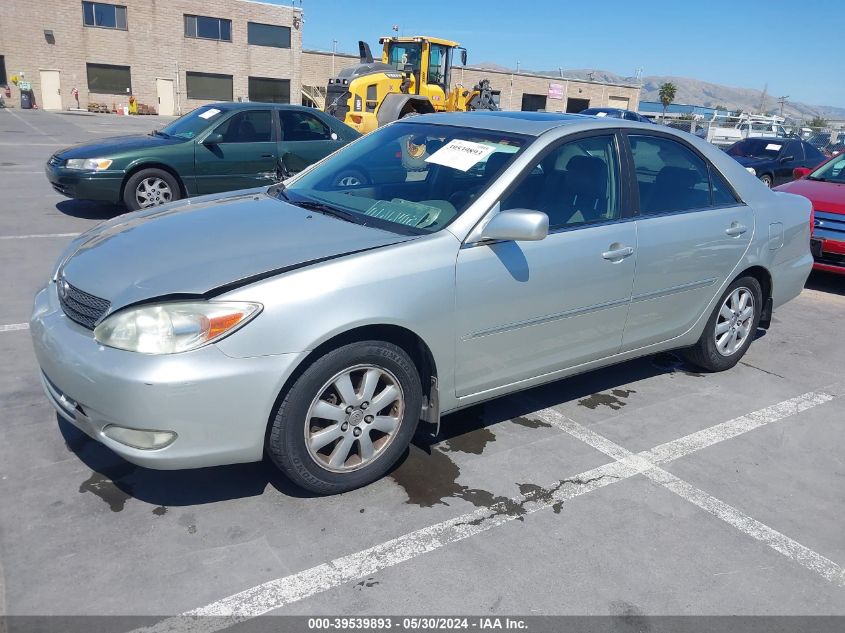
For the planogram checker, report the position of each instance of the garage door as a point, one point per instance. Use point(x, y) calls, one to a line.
point(618, 102)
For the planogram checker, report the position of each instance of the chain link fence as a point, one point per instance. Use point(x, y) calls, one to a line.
point(724, 132)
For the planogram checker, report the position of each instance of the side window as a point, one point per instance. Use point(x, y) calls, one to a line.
point(670, 177)
point(813, 153)
point(722, 195)
point(794, 149)
point(302, 126)
point(577, 183)
point(250, 126)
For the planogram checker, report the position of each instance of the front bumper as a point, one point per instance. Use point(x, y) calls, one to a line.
point(85, 185)
point(218, 406)
point(828, 255)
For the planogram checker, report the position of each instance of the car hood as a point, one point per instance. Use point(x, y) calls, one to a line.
point(195, 247)
point(825, 196)
point(103, 148)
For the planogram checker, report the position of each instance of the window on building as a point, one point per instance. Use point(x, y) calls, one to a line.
point(576, 184)
point(302, 126)
point(533, 103)
point(249, 126)
point(209, 86)
point(206, 28)
point(269, 90)
point(3, 80)
point(268, 35)
point(108, 79)
point(107, 16)
point(574, 106)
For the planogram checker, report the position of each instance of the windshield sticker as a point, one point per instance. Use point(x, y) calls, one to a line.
point(209, 113)
point(773, 147)
point(460, 155)
point(404, 212)
point(601, 113)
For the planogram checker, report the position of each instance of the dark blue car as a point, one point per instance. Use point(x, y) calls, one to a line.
point(772, 159)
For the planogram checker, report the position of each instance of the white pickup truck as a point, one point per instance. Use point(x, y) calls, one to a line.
point(745, 127)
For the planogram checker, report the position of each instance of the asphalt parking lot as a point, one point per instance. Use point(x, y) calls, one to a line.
point(647, 488)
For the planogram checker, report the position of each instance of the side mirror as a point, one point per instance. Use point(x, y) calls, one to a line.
point(213, 139)
point(518, 225)
point(463, 57)
point(801, 172)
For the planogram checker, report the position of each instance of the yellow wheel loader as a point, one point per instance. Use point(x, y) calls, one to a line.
point(413, 77)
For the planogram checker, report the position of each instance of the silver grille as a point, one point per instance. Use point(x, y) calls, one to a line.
point(55, 160)
point(78, 305)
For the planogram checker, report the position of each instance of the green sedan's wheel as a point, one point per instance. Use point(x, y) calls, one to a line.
point(150, 188)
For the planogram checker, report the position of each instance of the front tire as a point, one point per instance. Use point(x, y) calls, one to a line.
point(149, 188)
point(767, 180)
point(348, 418)
point(730, 328)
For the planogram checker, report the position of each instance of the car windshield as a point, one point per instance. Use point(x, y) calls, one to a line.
point(831, 171)
point(756, 148)
point(407, 177)
point(193, 123)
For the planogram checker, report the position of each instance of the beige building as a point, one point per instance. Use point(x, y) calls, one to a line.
point(518, 91)
point(173, 55)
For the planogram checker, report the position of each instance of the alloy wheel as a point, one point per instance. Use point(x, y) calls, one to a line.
point(152, 192)
point(736, 317)
point(354, 418)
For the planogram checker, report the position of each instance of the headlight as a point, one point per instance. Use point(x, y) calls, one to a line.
point(751, 171)
point(89, 164)
point(168, 328)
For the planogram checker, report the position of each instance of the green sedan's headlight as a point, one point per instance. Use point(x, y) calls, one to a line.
point(169, 328)
point(89, 164)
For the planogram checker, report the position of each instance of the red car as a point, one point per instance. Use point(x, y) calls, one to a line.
point(825, 188)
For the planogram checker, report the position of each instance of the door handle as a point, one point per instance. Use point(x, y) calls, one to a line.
point(736, 229)
point(266, 156)
point(618, 253)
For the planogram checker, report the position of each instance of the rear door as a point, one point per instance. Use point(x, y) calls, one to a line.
point(245, 157)
point(304, 139)
point(692, 231)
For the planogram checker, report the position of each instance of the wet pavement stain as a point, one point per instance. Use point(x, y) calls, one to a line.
point(467, 433)
point(188, 521)
point(369, 582)
point(103, 487)
point(529, 422)
point(429, 477)
point(673, 363)
point(611, 400)
point(160, 511)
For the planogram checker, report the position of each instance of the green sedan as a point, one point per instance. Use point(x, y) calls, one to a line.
point(217, 147)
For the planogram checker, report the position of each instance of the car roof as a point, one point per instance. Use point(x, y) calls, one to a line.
point(242, 105)
point(528, 123)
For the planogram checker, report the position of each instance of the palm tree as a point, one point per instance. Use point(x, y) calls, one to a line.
point(667, 95)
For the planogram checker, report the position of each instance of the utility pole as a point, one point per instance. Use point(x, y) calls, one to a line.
point(763, 99)
point(334, 52)
point(782, 101)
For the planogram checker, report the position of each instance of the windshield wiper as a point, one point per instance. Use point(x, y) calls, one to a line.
point(326, 209)
point(159, 133)
point(817, 178)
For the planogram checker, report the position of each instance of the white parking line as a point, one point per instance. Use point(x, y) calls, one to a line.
point(14, 327)
point(277, 593)
point(790, 548)
point(37, 235)
point(28, 124)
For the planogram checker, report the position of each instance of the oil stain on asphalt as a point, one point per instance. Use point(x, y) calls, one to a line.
point(612, 400)
point(103, 487)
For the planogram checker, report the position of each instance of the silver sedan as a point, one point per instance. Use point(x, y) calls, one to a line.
point(433, 264)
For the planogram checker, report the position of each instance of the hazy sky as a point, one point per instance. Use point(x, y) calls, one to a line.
point(795, 47)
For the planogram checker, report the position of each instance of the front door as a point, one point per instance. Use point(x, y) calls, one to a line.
point(164, 90)
point(691, 233)
point(524, 309)
point(244, 155)
point(304, 139)
point(51, 90)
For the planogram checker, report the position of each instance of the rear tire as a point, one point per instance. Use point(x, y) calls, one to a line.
point(730, 328)
point(348, 418)
point(767, 180)
point(149, 188)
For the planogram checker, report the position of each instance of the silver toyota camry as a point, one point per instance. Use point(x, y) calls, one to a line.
point(433, 264)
